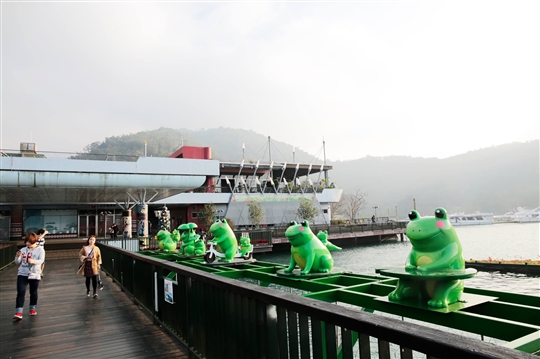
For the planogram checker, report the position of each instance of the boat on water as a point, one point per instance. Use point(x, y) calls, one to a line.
point(519, 215)
point(463, 219)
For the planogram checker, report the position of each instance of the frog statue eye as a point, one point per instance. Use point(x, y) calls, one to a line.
point(293, 223)
point(413, 215)
point(440, 213)
point(304, 223)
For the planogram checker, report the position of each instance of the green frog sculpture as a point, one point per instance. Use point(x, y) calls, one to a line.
point(436, 251)
point(192, 244)
point(307, 251)
point(323, 236)
point(245, 246)
point(224, 239)
point(165, 241)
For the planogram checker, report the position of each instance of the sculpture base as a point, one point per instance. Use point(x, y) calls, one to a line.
point(467, 300)
point(235, 262)
point(296, 273)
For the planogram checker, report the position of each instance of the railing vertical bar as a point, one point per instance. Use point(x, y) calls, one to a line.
point(253, 328)
point(346, 344)
point(272, 325)
point(282, 333)
point(292, 323)
point(330, 339)
point(384, 349)
point(317, 338)
point(406, 353)
point(262, 328)
point(247, 352)
point(233, 314)
point(305, 352)
point(364, 346)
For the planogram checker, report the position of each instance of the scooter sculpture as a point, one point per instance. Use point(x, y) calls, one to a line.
point(225, 246)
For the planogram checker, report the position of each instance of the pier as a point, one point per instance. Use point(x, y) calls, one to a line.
point(250, 311)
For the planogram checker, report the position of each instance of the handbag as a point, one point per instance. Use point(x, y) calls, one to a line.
point(99, 282)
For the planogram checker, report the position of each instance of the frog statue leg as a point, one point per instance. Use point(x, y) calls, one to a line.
point(326, 263)
point(229, 254)
point(446, 292)
point(309, 256)
point(405, 289)
point(292, 264)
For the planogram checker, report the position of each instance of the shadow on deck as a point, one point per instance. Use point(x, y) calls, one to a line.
point(70, 325)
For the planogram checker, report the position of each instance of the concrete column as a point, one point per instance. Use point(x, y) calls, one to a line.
point(142, 220)
point(126, 221)
point(16, 225)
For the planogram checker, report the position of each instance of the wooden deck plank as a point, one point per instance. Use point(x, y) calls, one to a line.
point(70, 325)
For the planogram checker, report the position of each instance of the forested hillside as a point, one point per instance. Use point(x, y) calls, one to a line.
point(494, 179)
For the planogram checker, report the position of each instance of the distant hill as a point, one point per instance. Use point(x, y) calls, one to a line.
point(494, 179)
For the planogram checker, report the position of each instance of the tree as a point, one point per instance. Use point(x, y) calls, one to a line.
point(255, 214)
point(337, 208)
point(307, 210)
point(207, 215)
point(353, 203)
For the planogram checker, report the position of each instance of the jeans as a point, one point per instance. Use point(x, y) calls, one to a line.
point(22, 282)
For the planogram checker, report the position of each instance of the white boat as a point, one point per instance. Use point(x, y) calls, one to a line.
point(472, 219)
point(519, 215)
point(523, 215)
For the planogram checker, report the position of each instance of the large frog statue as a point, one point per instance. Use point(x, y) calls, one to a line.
point(225, 239)
point(435, 248)
point(165, 241)
point(307, 251)
point(323, 236)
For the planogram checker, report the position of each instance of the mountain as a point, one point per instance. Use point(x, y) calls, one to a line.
point(494, 179)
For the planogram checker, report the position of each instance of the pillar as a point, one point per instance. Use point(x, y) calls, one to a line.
point(126, 221)
point(16, 225)
point(142, 220)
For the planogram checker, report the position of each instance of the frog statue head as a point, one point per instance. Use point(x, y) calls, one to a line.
point(432, 234)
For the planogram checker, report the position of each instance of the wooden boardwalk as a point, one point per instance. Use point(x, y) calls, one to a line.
point(70, 325)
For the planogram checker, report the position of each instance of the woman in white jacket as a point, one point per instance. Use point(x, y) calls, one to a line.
point(29, 260)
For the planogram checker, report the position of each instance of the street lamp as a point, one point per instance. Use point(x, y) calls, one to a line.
point(375, 208)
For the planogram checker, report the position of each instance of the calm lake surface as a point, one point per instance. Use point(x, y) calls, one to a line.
point(498, 241)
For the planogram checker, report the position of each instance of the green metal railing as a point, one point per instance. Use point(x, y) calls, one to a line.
point(220, 312)
point(7, 254)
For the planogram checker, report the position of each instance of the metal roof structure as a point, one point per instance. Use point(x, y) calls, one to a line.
point(39, 180)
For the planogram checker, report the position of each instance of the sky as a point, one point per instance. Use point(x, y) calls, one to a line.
point(377, 78)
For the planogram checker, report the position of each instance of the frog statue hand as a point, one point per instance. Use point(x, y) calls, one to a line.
point(435, 248)
point(323, 236)
point(307, 251)
point(225, 239)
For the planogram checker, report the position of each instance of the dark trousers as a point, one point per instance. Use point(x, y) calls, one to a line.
point(94, 283)
point(22, 282)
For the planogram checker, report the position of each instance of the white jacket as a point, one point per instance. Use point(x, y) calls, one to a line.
point(32, 271)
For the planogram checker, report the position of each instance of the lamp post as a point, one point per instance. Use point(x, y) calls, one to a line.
point(375, 208)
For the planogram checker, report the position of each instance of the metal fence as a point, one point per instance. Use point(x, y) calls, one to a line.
point(218, 317)
point(7, 254)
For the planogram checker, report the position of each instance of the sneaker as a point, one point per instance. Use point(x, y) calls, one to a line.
point(17, 315)
point(95, 295)
point(88, 294)
point(33, 312)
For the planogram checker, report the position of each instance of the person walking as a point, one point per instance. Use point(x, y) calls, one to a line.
point(29, 260)
point(90, 256)
point(115, 231)
point(41, 242)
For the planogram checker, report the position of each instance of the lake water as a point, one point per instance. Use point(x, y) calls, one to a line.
point(499, 241)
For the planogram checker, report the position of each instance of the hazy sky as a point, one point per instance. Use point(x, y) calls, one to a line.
point(415, 78)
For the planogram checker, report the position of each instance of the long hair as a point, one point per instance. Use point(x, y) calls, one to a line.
point(88, 240)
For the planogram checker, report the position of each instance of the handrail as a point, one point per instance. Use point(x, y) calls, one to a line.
point(218, 317)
